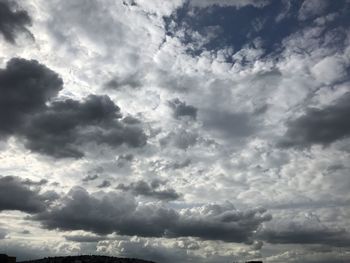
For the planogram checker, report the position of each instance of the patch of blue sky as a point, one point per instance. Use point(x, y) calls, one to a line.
point(229, 27)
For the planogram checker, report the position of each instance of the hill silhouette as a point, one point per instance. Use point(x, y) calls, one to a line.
point(87, 259)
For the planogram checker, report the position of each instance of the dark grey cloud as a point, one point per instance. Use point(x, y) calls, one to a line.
point(65, 125)
point(185, 139)
point(222, 223)
point(181, 109)
point(230, 124)
point(335, 167)
point(3, 233)
point(90, 177)
point(319, 126)
point(126, 157)
point(112, 212)
point(59, 128)
point(16, 195)
point(50, 196)
point(25, 87)
point(298, 234)
point(151, 190)
point(13, 20)
point(156, 183)
point(181, 138)
point(104, 184)
point(131, 120)
point(133, 81)
point(180, 165)
point(35, 183)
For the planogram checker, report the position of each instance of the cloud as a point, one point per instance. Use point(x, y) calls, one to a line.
point(25, 85)
point(29, 182)
point(13, 21)
point(90, 177)
point(126, 157)
point(308, 255)
point(184, 250)
point(104, 184)
point(59, 128)
point(65, 125)
point(24, 250)
point(330, 70)
point(105, 213)
point(181, 109)
point(150, 190)
point(230, 124)
point(299, 234)
point(139, 248)
point(155, 250)
point(3, 233)
point(132, 81)
point(16, 195)
point(222, 222)
point(181, 139)
point(311, 8)
point(180, 164)
point(234, 97)
point(85, 238)
point(319, 126)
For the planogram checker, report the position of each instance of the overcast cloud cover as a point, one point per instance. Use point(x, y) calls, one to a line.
point(175, 130)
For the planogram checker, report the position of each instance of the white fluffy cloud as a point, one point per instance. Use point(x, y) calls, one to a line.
point(330, 70)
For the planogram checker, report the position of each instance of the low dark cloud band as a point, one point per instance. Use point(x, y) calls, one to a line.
point(112, 212)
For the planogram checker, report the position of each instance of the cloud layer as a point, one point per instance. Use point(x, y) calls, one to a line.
point(113, 212)
point(130, 128)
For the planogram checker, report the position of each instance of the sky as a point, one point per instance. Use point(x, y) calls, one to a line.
point(175, 130)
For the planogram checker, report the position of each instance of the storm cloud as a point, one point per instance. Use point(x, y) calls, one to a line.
point(16, 195)
point(319, 126)
point(62, 127)
point(13, 20)
point(59, 128)
point(25, 86)
point(181, 109)
point(112, 212)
